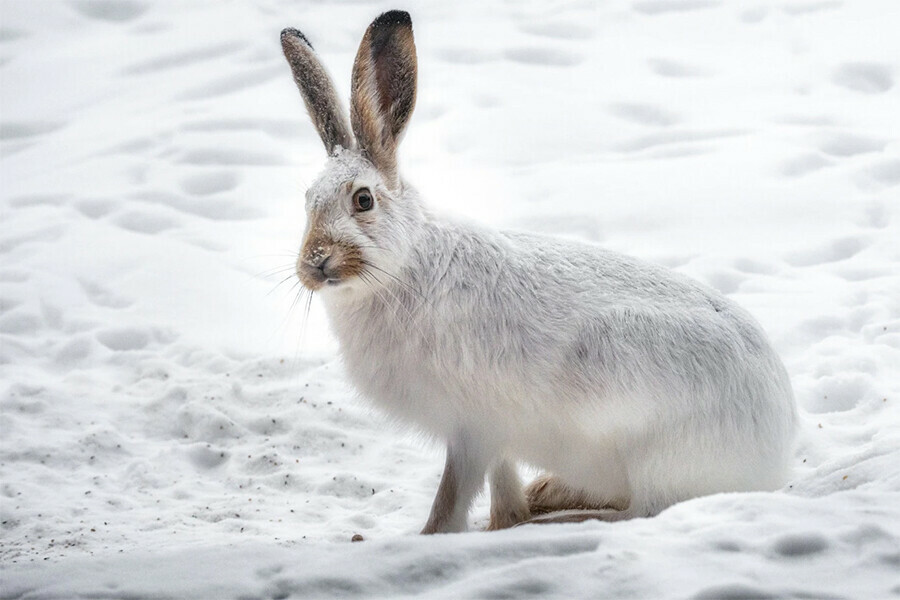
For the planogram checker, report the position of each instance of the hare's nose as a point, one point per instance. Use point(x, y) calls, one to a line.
point(320, 265)
point(318, 258)
point(323, 265)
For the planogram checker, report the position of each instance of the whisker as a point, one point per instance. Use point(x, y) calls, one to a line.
point(280, 283)
point(410, 317)
point(365, 278)
point(398, 280)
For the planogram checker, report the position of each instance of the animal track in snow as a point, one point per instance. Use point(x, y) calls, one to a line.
point(8, 34)
point(142, 221)
point(847, 144)
point(806, 8)
point(74, 351)
point(38, 200)
point(205, 184)
point(835, 251)
point(209, 208)
point(559, 30)
point(206, 456)
point(122, 339)
point(548, 57)
point(277, 128)
point(226, 156)
point(183, 58)
point(672, 68)
point(733, 591)
point(675, 137)
point(754, 15)
point(115, 11)
point(17, 130)
point(658, 7)
point(878, 175)
point(101, 296)
point(465, 56)
point(95, 208)
point(645, 114)
point(865, 77)
point(19, 322)
point(232, 83)
point(807, 163)
point(836, 393)
point(726, 281)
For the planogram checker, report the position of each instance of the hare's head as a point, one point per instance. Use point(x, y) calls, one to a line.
point(359, 216)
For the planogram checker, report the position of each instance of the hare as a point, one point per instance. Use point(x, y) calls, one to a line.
point(633, 387)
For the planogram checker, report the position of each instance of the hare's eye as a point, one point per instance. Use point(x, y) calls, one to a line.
point(363, 200)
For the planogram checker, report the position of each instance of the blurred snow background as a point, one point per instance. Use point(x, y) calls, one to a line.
point(170, 424)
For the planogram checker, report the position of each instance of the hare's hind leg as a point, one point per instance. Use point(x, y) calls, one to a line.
point(508, 503)
point(548, 494)
point(551, 500)
point(577, 516)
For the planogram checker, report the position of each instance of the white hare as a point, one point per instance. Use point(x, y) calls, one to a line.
point(632, 386)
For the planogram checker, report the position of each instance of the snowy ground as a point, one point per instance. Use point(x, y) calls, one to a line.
point(170, 429)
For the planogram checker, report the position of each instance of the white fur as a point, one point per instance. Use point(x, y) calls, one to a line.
point(628, 381)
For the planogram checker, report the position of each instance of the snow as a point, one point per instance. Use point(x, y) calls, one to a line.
point(175, 426)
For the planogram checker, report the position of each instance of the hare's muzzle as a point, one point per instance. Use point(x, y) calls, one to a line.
point(322, 265)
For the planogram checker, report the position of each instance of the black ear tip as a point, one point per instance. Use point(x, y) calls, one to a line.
point(393, 17)
point(290, 32)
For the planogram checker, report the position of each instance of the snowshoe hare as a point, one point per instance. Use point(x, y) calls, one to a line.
point(632, 386)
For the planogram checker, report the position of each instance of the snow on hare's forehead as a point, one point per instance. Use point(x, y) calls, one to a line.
point(346, 165)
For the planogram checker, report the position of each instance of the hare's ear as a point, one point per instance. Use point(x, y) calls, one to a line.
point(383, 89)
point(318, 92)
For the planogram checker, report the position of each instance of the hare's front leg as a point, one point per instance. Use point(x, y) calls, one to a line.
point(509, 506)
point(463, 478)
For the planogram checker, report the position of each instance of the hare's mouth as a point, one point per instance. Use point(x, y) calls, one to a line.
point(326, 275)
point(328, 264)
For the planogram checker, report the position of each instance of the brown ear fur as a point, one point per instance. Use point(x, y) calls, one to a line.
point(383, 89)
point(318, 91)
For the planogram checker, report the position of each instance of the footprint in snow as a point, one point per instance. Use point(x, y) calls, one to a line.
point(865, 77)
point(835, 251)
point(808, 8)
point(113, 11)
point(671, 68)
point(804, 164)
point(879, 175)
point(658, 7)
point(142, 221)
point(644, 114)
point(8, 34)
point(19, 130)
point(205, 184)
point(465, 56)
point(96, 208)
point(548, 57)
point(558, 30)
point(185, 58)
point(230, 157)
point(232, 83)
point(668, 138)
point(798, 545)
point(122, 339)
point(848, 144)
point(101, 296)
point(733, 591)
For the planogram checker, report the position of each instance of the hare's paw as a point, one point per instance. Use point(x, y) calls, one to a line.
point(509, 506)
point(548, 493)
point(509, 515)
